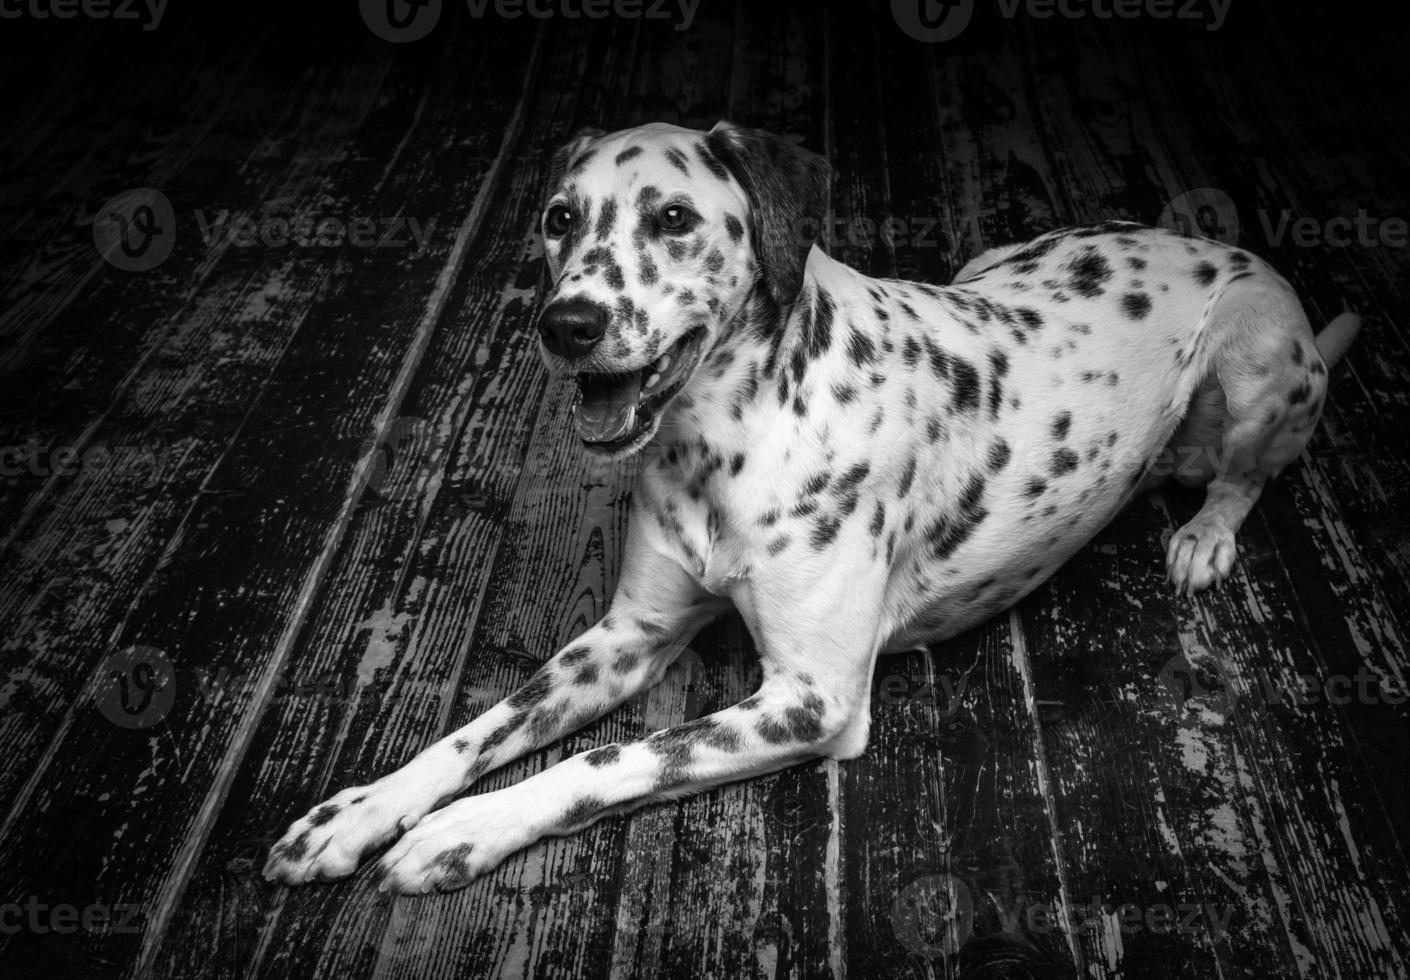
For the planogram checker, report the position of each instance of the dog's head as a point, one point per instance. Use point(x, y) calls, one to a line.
point(655, 238)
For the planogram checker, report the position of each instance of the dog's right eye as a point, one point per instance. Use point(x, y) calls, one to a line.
point(557, 221)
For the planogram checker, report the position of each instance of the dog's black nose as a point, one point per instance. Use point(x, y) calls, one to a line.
point(572, 327)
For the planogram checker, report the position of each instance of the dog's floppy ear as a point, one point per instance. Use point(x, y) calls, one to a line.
point(564, 156)
point(787, 188)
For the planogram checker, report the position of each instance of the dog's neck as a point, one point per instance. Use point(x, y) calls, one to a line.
point(775, 363)
point(781, 384)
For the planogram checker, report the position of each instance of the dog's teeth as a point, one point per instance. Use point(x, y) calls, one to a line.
point(651, 381)
point(662, 363)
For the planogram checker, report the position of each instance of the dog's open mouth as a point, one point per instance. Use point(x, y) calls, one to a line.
point(614, 410)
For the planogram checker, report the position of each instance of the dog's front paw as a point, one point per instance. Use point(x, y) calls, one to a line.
point(330, 841)
point(1201, 554)
point(454, 846)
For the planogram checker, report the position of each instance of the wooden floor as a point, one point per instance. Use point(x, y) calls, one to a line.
point(196, 499)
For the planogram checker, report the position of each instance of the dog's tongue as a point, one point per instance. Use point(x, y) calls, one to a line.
point(607, 410)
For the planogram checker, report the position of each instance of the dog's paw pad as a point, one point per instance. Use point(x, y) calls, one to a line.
point(1201, 554)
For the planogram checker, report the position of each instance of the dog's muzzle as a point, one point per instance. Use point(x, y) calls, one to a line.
point(614, 410)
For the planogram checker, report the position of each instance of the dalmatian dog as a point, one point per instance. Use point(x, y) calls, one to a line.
point(860, 466)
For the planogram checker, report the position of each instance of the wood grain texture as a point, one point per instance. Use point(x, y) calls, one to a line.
point(353, 515)
point(91, 537)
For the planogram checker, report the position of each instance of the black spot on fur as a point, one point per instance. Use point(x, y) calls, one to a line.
point(678, 160)
point(966, 386)
point(1033, 251)
point(799, 723)
point(849, 480)
point(713, 165)
point(501, 733)
point(1089, 272)
point(939, 360)
point(582, 811)
point(534, 692)
point(1205, 273)
point(630, 153)
point(947, 532)
point(821, 337)
point(1064, 461)
point(908, 473)
point(1137, 306)
point(606, 218)
point(999, 455)
point(323, 814)
point(1034, 488)
point(648, 273)
point(825, 532)
point(1061, 424)
point(878, 520)
point(860, 348)
point(734, 228)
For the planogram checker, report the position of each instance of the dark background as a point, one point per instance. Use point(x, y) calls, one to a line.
point(329, 492)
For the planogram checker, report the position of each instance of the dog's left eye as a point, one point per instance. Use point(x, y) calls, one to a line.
point(557, 221)
point(678, 218)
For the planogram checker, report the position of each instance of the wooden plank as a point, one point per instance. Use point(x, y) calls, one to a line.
point(344, 372)
point(948, 830)
point(59, 322)
point(408, 590)
point(96, 533)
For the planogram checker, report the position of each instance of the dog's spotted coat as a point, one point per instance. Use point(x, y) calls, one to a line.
point(860, 466)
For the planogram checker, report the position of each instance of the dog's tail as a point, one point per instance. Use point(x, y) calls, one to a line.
point(1336, 337)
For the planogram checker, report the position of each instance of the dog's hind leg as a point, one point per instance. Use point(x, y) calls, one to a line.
point(1273, 380)
point(656, 609)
